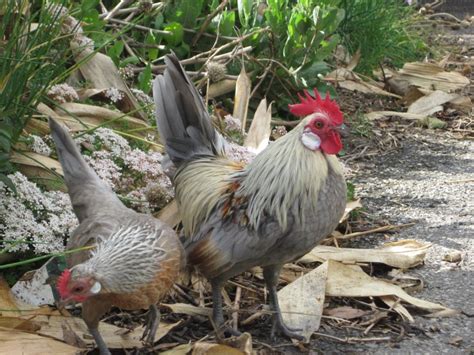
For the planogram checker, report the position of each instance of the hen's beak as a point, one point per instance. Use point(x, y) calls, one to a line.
point(343, 130)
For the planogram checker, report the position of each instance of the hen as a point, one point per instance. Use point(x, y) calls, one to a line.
point(134, 258)
point(268, 213)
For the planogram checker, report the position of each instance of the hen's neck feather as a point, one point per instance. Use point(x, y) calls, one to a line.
point(285, 173)
point(125, 260)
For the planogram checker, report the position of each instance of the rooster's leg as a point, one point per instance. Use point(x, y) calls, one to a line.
point(152, 324)
point(271, 274)
point(99, 341)
point(217, 313)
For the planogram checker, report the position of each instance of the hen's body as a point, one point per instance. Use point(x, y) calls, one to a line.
point(135, 258)
point(268, 213)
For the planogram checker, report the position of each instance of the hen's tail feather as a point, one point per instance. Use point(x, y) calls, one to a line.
point(182, 119)
point(89, 194)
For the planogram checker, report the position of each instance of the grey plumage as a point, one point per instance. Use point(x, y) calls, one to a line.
point(88, 193)
point(189, 132)
point(270, 212)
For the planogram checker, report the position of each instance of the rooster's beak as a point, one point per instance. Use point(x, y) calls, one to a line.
point(343, 130)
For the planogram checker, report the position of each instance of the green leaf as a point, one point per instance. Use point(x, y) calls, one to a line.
point(5, 144)
point(176, 35)
point(6, 180)
point(115, 51)
point(186, 12)
point(150, 39)
point(144, 80)
point(227, 23)
point(245, 9)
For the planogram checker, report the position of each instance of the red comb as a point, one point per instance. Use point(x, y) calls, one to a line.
point(311, 105)
point(63, 280)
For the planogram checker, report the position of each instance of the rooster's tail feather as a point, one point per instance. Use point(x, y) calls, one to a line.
point(183, 121)
point(88, 193)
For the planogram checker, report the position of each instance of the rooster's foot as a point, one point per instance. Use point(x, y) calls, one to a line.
point(280, 326)
point(153, 320)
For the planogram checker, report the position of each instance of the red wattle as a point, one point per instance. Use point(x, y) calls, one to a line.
point(331, 144)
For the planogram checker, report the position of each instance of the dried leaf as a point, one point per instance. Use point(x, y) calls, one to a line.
point(189, 309)
point(432, 123)
point(403, 254)
point(259, 132)
point(350, 206)
point(348, 80)
point(395, 304)
point(242, 97)
point(345, 312)
point(374, 115)
point(427, 105)
point(309, 290)
point(100, 71)
point(18, 342)
point(182, 349)
point(431, 77)
point(243, 343)
point(39, 167)
point(352, 281)
point(201, 348)
point(221, 88)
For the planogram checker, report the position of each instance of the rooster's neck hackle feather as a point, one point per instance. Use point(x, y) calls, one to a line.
point(126, 260)
point(197, 199)
point(273, 186)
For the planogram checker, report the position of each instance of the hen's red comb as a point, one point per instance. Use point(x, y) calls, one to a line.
point(311, 105)
point(63, 280)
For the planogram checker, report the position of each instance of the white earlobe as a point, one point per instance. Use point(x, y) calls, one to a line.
point(96, 287)
point(310, 140)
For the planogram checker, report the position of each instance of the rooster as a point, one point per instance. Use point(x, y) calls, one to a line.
point(267, 213)
point(134, 258)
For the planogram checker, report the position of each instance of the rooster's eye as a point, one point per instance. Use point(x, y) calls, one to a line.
point(78, 289)
point(318, 124)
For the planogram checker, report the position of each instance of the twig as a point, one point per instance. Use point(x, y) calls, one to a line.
point(112, 13)
point(139, 27)
point(196, 59)
point(235, 313)
point(460, 181)
point(376, 230)
point(446, 15)
point(350, 340)
point(208, 21)
point(285, 123)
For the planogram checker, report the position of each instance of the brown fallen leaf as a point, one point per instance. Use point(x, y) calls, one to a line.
point(456, 341)
point(18, 342)
point(402, 254)
point(345, 312)
point(306, 312)
point(352, 281)
point(242, 98)
point(427, 105)
point(201, 348)
point(431, 76)
point(350, 206)
point(259, 132)
point(188, 309)
point(242, 342)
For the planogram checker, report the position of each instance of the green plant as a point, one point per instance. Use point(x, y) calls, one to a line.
point(379, 28)
point(32, 57)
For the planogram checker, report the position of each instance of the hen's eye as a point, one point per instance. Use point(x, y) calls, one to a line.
point(319, 124)
point(78, 289)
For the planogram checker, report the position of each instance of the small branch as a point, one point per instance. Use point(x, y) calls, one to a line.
point(112, 13)
point(208, 21)
point(139, 27)
point(376, 230)
point(445, 15)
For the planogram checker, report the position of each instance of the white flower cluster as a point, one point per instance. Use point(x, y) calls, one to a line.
point(132, 173)
point(38, 145)
point(33, 219)
point(113, 94)
point(232, 124)
point(62, 93)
